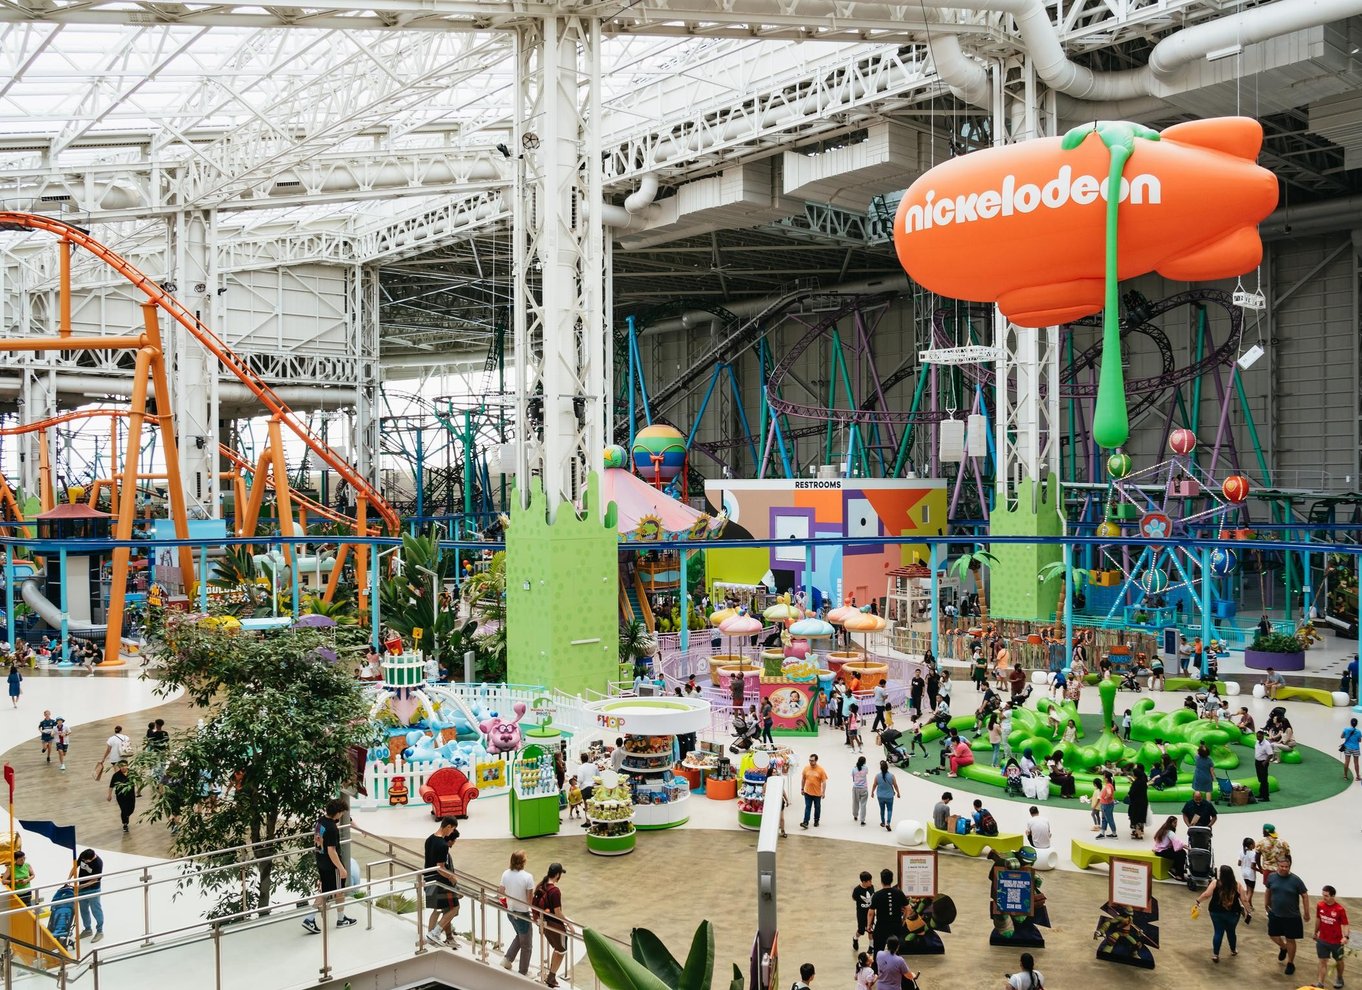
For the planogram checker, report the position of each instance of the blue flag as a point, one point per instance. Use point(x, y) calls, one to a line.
point(61, 835)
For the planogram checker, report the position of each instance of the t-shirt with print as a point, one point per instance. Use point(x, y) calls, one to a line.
point(862, 896)
point(1283, 894)
point(888, 903)
point(1331, 918)
point(1270, 849)
point(85, 869)
point(45, 727)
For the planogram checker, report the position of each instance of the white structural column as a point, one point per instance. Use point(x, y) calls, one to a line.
point(1027, 417)
point(364, 331)
point(1026, 423)
point(560, 305)
point(193, 371)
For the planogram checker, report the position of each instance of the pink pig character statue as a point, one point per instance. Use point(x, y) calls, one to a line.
point(503, 736)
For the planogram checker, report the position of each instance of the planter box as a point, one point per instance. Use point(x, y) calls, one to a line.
point(1255, 660)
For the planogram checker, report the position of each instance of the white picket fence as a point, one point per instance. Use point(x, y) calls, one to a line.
point(378, 778)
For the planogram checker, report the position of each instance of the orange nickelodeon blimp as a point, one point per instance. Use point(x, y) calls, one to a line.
point(1024, 225)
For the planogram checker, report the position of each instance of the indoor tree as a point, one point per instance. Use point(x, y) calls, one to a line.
point(974, 564)
point(275, 744)
point(485, 593)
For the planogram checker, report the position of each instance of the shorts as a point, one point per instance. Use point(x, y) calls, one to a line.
point(1249, 883)
point(1291, 927)
point(62, 747)
point(1328, 950)
point(47, 738)
point(330, 878)
point(557, 940)
point(441, 898)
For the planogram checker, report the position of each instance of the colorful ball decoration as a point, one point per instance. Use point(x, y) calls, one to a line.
point(1118, 465)
point(1109, 529)
point(1182, 441)
point(659, 453)
point(1154, 581)
point(1223, 561)
point(615, 456)
point(1235, 488)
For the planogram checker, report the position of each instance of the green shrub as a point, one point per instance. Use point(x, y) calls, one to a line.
point(1276, 642)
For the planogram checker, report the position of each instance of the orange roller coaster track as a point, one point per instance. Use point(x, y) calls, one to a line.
point(168, 304)
point(150, 374)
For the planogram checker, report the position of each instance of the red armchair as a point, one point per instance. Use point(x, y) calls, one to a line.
point(448, 792)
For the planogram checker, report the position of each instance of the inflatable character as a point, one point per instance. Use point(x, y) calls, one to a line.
point(503, 736)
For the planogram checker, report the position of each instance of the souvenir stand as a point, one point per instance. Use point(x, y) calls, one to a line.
point(610, 827)
point(534, 793)
point(650, 727)
point(756, 765)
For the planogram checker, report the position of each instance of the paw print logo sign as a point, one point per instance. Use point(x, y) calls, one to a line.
point(1156, 526)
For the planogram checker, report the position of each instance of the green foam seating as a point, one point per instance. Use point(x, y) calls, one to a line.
point(1325, 698)
point(1086, 854)
point(974, 845)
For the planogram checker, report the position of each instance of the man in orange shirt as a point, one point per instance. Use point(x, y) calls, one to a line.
point(813, 781)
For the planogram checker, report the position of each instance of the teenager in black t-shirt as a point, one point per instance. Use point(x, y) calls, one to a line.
point(886, 910)
point(326, 848)
point(439, 881)
point(861, 895)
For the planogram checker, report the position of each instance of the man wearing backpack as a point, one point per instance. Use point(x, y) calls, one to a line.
point(984, 822)
point(119, 746)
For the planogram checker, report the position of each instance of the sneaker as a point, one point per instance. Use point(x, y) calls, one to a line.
point(125, 828)
point(1281, 955)
point(550, 981)
point(85, 933)
point(803, 824)
point(311, 925)
point(506, 964)
point(1338, 985)
point(1290, 968)
point(433, 937)
point(856, 945)
point(346, 922)
point(97, 937)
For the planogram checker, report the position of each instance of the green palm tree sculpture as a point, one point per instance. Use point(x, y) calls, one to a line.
point(1058, 569)
point(974, 564)
point(1111, 418)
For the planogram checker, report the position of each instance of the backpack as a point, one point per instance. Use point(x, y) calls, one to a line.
point(962, 826)
point(988, 825)
point(124, 746)
point(537, 901)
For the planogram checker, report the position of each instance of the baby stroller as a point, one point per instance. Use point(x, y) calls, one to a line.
point(1200, 859)
point(746, 733)
point(893, 752)
point(1129, 681)
point(61, 918)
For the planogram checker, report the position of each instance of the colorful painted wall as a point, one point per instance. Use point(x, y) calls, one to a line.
point(562, 582)
point(796, 511)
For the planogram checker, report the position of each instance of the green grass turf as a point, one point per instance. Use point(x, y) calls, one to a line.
point(1318, 776)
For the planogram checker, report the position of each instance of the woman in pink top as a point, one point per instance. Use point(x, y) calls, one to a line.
point(961, 756)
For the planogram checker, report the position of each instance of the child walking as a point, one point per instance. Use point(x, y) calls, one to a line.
point(1095, 804)
point(853, 728)
point(1125, 725)
point(575, 801)
point(63, 735)
point(1248, 875)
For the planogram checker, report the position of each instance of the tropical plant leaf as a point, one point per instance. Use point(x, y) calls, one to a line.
point(737, 983)
point(615, 969)
point(699, 969)
point(649, 950)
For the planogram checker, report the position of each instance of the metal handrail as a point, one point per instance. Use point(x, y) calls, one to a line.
point(485, 932)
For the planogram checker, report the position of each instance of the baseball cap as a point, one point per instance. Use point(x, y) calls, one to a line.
point(1269, 829)
point(556, 869)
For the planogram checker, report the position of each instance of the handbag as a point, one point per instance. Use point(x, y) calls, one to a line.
point(1196, 910)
